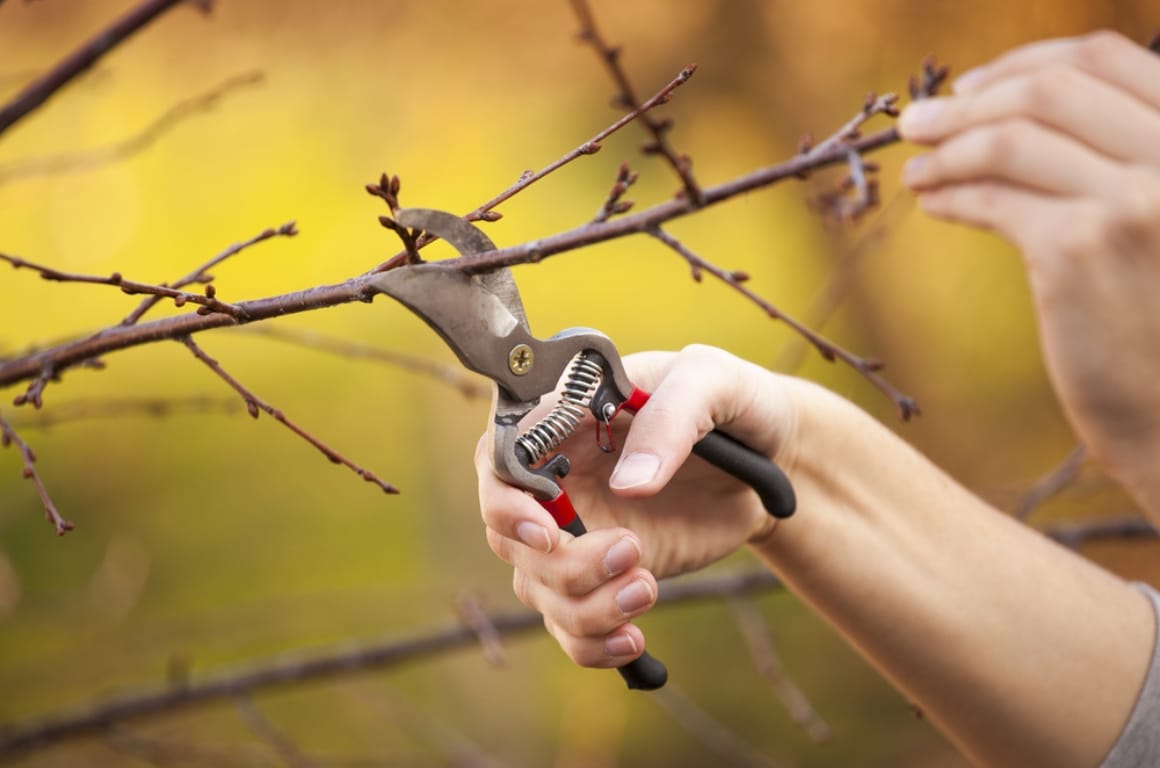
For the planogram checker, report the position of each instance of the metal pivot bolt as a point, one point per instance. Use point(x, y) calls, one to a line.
point(520, 359)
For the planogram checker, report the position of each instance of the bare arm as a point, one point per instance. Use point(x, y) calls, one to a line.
point(1023, 653)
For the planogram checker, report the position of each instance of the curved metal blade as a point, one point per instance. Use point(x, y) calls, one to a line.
point(467, 239)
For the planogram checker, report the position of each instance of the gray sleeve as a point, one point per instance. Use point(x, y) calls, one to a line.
point(1139, 743)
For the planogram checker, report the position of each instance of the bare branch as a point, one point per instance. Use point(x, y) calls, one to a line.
point(906, 405)
point(762, 648)
point(88, 159)
point(343, 661)
point(708, 730)
point(58, 358)
point(487, 212)
point(261, 727)
point(1051, 483)
point(613, 205)
point(1076, 534)
point(209, 302)
point(874, 104)
point(9, 437)
point(254, 403)
point(658, 129)
point(119, 408)
point(201, 274)
point(471, 611)
point(841, 276)
point(80, 60)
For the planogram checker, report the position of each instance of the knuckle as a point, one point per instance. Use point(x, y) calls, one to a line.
point(521, 586)
point(1097, 48)
point(582, 651)
point(570, 578)
point(1000, 144)
point(499, 544)
point(1138, 210)
point(1044, 91)
point(1086, 233)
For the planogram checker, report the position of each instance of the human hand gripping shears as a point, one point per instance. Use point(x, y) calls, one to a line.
point(482, 319)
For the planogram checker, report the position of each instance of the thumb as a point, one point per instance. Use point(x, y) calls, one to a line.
point(696, 391)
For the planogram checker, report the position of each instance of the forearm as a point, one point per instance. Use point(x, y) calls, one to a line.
point(1020, 651)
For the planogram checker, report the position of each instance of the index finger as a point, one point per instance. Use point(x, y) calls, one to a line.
point(509, 511)
point(1107, 55)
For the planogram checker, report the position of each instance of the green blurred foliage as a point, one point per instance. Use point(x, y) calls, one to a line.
point(208, 539)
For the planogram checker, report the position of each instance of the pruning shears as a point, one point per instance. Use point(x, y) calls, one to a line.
point(481, 317)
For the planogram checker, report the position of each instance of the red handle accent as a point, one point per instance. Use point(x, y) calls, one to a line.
point(560, 508)
point(635, 401)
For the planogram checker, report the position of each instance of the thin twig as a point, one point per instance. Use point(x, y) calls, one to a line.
point(469, 385)
point(260, 725)
point(906, 405)
point(471, 611)
point(841, 276)
point(659, 144)
point(613, 205)
point(118, 408)
point(1075, 534)
point(209, 302)
point(711, 732)
point(89, 159)
point(762, 648)
point(487, 212)
point(9, 437)
point(450, 743)
point(886, 104)
point(201, 274)
point(255, 403)
point(80, 60)
point(1063, 475)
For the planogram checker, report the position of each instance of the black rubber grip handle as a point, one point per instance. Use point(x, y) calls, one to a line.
point(645, 672)
point(751, 468)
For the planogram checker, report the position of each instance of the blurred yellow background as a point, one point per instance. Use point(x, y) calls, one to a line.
point(209, 540)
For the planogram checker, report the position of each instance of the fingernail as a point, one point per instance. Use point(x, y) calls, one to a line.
point(621, 556)
point(968, 80)
point(915, 170)
point(635, 597)
point(534, 535)
point(620, 645)
point(634, 470)
point(918, 118)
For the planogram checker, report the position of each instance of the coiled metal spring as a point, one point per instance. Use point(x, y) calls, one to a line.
point(584, 376)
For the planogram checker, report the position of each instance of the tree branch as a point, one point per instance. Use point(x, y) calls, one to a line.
point(345, 660)
point(255, 403)
point(183, 693)
point(9, 437)
point(62, 356)
point(681, 164)
point(201, 274)
point(87, 159)
point(75, 64)
point(487, 212)
point(209, 302)
point(906, 405)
